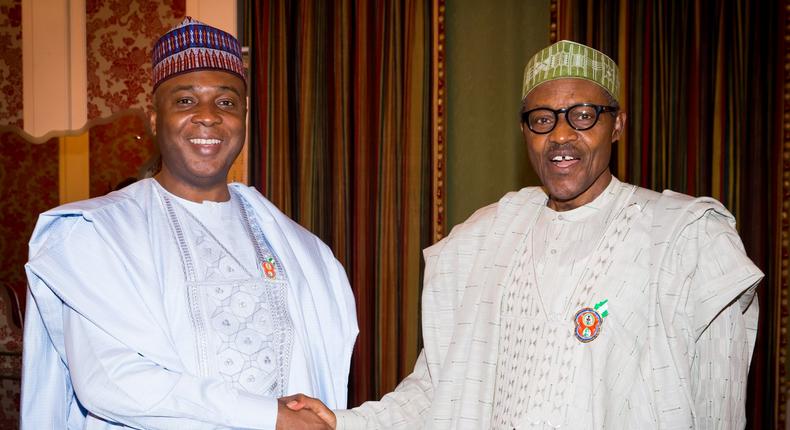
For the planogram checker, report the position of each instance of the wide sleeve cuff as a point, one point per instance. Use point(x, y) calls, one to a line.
point(254, 412)
point(350, 420)
point(723, 274)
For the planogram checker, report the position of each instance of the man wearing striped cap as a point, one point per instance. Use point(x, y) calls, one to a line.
point(182, 302)
point(584, 303)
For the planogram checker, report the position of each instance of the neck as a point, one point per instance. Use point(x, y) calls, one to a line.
point(213, 193)
point(582, 199)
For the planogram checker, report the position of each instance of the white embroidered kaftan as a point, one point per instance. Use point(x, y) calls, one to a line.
point(673, 351)
point(131, 319)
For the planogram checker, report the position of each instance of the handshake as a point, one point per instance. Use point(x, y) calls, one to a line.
point(303, 412)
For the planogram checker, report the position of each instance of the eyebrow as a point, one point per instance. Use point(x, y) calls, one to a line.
point(192, 88)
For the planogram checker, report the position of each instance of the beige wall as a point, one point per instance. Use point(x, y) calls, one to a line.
point(488, 43)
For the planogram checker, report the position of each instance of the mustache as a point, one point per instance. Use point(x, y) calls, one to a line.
point(562, 149)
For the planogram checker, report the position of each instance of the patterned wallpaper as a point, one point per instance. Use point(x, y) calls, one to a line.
point(119, 38)
point(117, 150)
point(120, 34)
point(11, 62)
point(28, 186)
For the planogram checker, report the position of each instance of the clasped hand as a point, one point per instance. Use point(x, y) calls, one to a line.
point(303, 412)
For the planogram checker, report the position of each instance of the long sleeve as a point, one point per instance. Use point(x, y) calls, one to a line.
point(46, 398)
point(448, 265)
point(118, 384)
point(720, 369)
point(721, 323)
point(404, 408)
point(349, 331)
point(409, 404)
point(104, 325)
point(115, 341)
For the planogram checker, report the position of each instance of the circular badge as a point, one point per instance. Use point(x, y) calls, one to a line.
point(588, 324)
point(269, 269)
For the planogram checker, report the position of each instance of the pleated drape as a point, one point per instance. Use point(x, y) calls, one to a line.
point(341, 142)
point(701, 91)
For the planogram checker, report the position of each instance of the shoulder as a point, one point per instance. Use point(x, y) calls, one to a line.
point(268, 211)
point(507, 206)
point(674, 212)
point(475, 228)
point(698, 236)
point(123, 207)
point(693, 207)
point(132, 196)
point(679, 203)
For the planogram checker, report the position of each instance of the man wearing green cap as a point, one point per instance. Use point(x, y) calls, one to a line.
point(585, 303)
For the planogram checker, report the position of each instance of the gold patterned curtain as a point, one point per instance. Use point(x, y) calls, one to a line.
point(342, 141)
point(701, 88)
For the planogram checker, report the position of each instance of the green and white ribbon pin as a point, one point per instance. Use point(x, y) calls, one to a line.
point(602, 308)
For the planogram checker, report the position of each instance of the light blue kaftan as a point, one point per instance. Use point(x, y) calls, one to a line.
point(125, 328)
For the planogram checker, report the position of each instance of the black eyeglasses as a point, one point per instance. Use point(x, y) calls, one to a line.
point(580, 117)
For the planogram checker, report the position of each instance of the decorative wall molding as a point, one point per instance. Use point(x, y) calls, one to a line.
point(73, 168)
point(53, 65)
point(44, 138)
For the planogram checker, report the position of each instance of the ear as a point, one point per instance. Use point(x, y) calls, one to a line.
point(619, 125)
point(152, 121)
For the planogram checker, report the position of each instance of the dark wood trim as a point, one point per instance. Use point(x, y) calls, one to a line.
point(439, 128)
point(782, 280)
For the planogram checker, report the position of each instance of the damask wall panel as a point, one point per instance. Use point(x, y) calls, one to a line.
point(117, 151)
point(28, 186)
point(120, 34)
point(11, 62)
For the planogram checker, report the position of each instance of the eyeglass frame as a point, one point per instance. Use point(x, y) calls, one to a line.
point(599, 109)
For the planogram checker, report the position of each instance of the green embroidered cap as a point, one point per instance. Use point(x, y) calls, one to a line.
point(566, 59)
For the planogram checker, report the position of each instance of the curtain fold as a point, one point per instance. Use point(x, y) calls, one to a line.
point(341, 142)
point(699, 84)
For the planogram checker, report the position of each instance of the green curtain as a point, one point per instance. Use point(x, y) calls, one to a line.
point(341, 142)
point(700, 79)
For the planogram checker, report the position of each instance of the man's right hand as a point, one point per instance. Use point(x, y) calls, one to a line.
point(306, 404)
point(300, 418)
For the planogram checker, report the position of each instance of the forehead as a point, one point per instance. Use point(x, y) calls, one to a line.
point(203, 80)
point(566, 92)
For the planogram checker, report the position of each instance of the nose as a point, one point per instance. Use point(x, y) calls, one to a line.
point(563, 132)
point(207, 115)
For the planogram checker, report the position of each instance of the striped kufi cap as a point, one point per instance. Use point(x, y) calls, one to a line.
point(192, 46)
point(566, 59)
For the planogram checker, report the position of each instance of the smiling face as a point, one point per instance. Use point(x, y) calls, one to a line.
point(572, 165)
point(199, 119)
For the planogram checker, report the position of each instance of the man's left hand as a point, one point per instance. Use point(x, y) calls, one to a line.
point(302, 403)
point(301, 418)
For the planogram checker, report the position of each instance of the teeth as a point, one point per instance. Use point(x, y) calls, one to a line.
point(562, 158)
point(205, 141)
